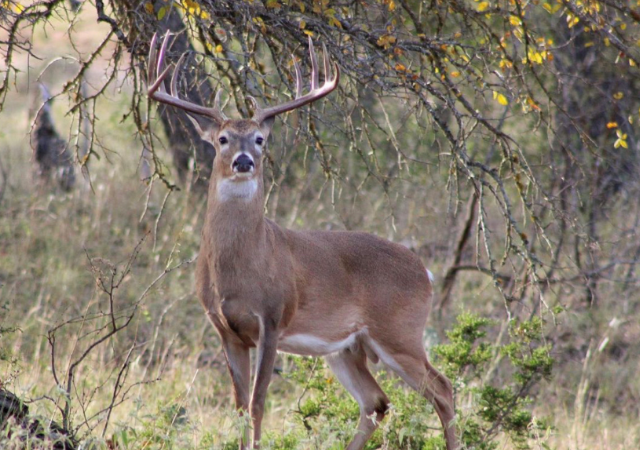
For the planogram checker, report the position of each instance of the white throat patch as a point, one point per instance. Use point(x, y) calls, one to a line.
point(240, 189)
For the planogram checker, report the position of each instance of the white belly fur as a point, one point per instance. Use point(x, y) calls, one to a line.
point(308, 344)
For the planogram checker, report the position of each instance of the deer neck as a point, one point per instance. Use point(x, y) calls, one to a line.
point(235, 224)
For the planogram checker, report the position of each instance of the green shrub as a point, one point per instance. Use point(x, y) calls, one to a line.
point(494, 384)
point(499, 403)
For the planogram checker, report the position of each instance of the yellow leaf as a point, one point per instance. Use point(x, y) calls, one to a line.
point(455, 74)
point(303, 24)
point(552, 9)
point(618, 95)
point(400, 67)
point(483, 6)
point(219, 49)
point(330, 12)
point(18, 8)
point(148, 7)
point(535, 57)
point(161, 12)
point(501, 98)
point(515, 21)
point(386, 41)
point(532, 104)
point(258, 21)
point(505, 63)
point(612, 125)
point(621, 142)
point(308, 33)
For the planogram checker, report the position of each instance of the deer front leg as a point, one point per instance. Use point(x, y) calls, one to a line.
point(239, 364)
point(265, 360)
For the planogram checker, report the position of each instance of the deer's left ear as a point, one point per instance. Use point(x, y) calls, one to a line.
point(266, 125)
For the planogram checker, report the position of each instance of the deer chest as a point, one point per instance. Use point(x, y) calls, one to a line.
point(239, 319)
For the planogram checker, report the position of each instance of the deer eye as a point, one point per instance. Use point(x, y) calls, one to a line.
point(259, 140)
point(223, 140)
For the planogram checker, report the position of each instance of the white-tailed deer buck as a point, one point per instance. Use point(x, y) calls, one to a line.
point(347, 296)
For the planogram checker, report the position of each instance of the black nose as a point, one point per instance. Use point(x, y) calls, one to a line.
point(243, 164)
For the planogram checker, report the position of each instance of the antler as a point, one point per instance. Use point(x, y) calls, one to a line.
point(155, 84)
point(314, 94)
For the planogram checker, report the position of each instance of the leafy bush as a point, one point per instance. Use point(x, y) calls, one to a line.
point(498, 403)
point(494, 384)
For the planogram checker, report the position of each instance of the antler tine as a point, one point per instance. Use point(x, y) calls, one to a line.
point(154, 81)
point(155, 84)
point(325, 58)
point(316, 92)
point(163, 52)
point(151, 69)
point(174, 77)
point(314, 66)
point(216, 103)
point(156, 61)
point(298, 77)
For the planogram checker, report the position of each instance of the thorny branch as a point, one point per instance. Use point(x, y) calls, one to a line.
point(109, 279)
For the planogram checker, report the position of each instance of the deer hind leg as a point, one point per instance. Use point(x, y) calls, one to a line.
point(417, 372)
point(350, 367)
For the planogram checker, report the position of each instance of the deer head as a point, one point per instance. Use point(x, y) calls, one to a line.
point(240, 143)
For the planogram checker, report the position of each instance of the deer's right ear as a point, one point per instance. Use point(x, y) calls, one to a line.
point(205, 126)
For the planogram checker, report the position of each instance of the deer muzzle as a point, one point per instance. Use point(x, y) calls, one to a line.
point(243, 164)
